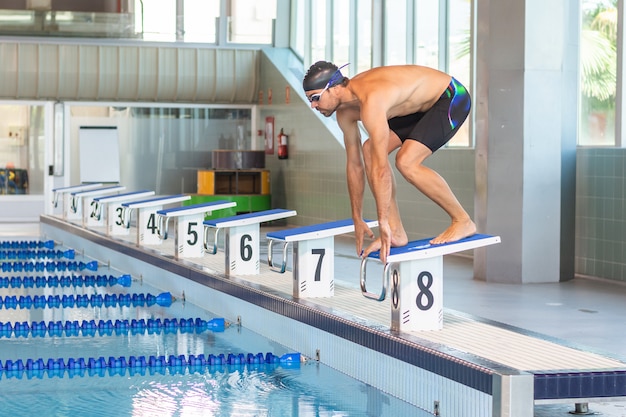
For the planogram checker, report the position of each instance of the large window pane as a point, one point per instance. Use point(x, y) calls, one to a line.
point(162, 149)
point(395, 32)
point(22, 149)
point(200, 20)
point(364, 35)
point(318, 29)
point(341, 32)
point(297, 27)
point(459, 56)
point(155, 20)
point(598, 64)
point(427, 33)
point(251, 21)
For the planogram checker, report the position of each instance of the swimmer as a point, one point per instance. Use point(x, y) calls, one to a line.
point(414, 108)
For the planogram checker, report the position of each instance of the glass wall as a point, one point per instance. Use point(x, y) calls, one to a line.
point(598, 71)
point(162, 148)
point(434, 33)
point(22, 149)
point(244, 22)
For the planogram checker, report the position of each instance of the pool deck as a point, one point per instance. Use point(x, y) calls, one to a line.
point(538, 329)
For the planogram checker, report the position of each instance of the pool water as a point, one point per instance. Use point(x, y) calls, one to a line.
point(277, 389)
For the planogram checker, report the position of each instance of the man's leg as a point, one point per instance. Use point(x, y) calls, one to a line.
point(399, 236)
point(409, 162)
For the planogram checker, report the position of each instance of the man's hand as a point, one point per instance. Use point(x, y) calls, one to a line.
point(382, 244)
point(385, 241)
point(360, 230)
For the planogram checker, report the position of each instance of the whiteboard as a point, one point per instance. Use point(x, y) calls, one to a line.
point(99, 154)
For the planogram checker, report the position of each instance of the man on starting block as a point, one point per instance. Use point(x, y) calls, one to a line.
point(414, 108)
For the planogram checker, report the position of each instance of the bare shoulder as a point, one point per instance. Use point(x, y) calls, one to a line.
point(402, 89)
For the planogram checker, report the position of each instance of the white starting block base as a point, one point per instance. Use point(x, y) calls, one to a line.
point(114, 221)
point(242, 239)
point(313, 256)
point(90, 219)
point(147, 222)
point(413, 275)
point(65, 194)
point(189, 238)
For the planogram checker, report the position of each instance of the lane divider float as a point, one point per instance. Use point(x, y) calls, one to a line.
point(163, 299)
point(66, 281)
point(108, 327)
point(139, 364)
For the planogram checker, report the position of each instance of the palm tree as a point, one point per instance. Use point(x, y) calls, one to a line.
point(598, 55)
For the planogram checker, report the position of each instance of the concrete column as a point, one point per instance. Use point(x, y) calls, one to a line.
point(526, 78)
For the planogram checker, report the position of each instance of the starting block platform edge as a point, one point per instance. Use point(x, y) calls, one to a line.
point(422, 249)
point(317, 231)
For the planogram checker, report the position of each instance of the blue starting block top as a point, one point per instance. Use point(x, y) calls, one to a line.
point(76, 188)
point(421, 249)
point(123, 196)
point(250, 218)
point(317, 231)
point(196, 208)
point(98, 191)
point(156, 201)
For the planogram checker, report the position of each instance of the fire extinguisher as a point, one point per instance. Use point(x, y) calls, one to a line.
point(283, 149)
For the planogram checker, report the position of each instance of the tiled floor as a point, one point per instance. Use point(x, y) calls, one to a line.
point(582, 312)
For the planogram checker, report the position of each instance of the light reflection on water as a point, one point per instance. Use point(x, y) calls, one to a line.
point(270, 390)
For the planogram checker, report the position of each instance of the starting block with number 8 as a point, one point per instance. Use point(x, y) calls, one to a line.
point(146, 216)
point(189, 237)
point(415, 273)
point(242, 240)
point(313, 256)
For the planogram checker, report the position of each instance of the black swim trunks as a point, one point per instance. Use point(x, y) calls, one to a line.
point(437, 125)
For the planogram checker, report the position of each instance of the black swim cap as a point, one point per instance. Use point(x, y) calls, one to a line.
point(319, 75)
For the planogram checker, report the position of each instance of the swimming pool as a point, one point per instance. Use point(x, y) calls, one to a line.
point(287, 389)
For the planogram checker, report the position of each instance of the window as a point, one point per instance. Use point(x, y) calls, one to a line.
point(364, 35)
point(296, 41)
point(318, 28)
point(427, 33)
point(22, 149)
point(200, 20)
point(251, 21)
point(395, 32)
point(341, 32)
point(459, 15)
point(436, 33)
point(598, 69)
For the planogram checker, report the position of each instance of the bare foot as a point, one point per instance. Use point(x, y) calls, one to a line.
point(457, 231)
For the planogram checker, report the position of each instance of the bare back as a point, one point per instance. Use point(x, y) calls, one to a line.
point(399, 90)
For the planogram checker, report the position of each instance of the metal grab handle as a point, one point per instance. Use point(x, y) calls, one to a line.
point(126, 212)
point(270, 254)
point(163, 226)
point(363, 279)
point(213, 249)
point(96, 211)
point(74, 204)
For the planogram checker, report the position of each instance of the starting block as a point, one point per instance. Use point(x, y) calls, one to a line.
point(114, 222)
point(313, 256)
point(65, 193)
point(189, 236)
point(415, 272)
point(82, 203)
point(146, 216)
point(242, 240)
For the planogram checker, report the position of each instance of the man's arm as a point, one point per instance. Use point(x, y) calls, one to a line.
point(374, 117)
point(355, 175)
